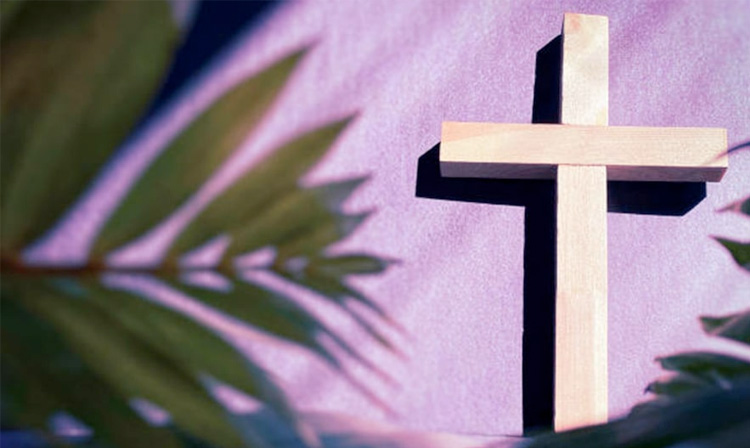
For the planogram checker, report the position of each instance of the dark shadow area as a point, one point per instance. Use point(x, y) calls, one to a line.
point(654, 198)
point(430, 184)
point(547, 71)
point(214, 26)
point(538, 198)
point(539, 262)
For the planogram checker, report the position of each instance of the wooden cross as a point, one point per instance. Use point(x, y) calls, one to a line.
point(582, 153)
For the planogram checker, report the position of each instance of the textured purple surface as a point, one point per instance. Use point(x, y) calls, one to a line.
point(406, 67)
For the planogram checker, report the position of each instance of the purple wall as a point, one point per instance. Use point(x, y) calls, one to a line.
point(406, 67)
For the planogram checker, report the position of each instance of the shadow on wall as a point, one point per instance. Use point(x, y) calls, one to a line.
point(538, 198)
point(215, 25)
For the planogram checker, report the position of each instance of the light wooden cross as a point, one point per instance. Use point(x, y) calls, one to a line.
point(582, 153)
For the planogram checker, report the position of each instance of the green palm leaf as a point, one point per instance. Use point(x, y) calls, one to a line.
point(740, 251)
point(734, 326)
point(318, 235)
point(337, 291)
point(349, 264)
point(75, 78)
point(682, 383)
point(131, 366)
point(270, 182)
point(8, 11)
point(54, 378)
point(742, 206)
point(283, 219)
point(706, 365)
point(195, 348)
point(280, 316)
point(67, 102)
point(710, 418)
point(202, 147)
point(333, 287)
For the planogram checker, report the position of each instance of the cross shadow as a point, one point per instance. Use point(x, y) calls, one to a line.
point(538, 198)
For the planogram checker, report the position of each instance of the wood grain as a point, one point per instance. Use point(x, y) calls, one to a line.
point(585, 70)
point(531, 151)
point(581, 395)
point(581, 297)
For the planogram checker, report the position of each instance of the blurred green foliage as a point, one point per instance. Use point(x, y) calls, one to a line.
point(76, 78)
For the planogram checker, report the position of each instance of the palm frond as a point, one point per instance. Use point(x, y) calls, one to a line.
point(739, 250)
point(76, 76)
point(253, 197)
point(197, 151)
point(73, 343)
point(734, 326)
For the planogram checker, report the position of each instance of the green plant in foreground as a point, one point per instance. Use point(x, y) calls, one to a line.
point(76, 77)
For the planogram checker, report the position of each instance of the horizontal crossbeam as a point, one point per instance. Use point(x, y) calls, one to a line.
point(533, 151)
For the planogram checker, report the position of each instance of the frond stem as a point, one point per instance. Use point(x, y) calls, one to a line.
point(13, 266)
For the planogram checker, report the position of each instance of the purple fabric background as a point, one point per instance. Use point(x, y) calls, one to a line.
point(406, 67)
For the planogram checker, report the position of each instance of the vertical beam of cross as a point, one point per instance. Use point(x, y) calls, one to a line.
point(581, 294)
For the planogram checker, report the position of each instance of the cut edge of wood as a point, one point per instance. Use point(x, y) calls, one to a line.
point(479, 170)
